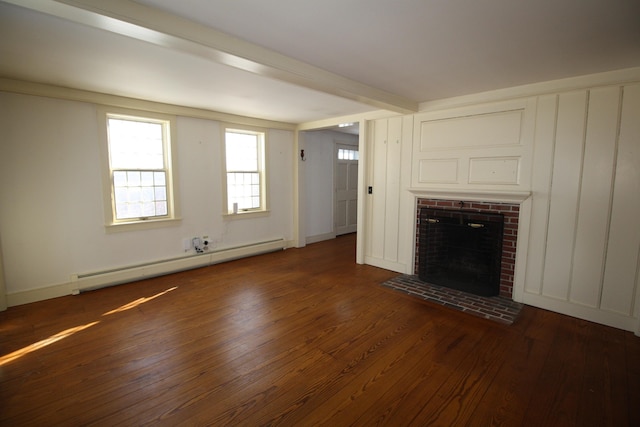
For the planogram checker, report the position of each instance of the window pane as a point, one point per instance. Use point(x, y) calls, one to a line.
point(135, 144)
point(135, 194)
point(161, 193)
point(122, 211)
point(159, 178)
point(120, 194)
point(242, 192)
point(161, 208)
point(347, 154)
point(147, 194)
point(120, 179)
point(146, 179)
point(135, 200)
point(133, 178)
point(149, 209)
point(134, 210)
point(241, 151)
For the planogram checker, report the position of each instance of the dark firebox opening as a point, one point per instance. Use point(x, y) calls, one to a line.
point(461, 250)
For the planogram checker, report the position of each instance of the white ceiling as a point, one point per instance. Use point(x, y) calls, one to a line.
point(409, 50)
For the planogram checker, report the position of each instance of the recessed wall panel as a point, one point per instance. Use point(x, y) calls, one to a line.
point(378, 180)
point(541, 183)
point(352, 210)
point(392, 202)
point(595, 196)
point(564, 197)
point(483, 130)
point(438, 171)
point(341, 212)
point(620, 282)
point(494, 170)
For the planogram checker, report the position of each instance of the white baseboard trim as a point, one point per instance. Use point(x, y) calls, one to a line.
point(387, 265)
point(320, 237)
point(91, 281)
point(40, 294)
point(590, 314)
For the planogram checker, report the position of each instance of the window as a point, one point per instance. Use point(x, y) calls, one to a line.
point(245, 177)
point(347, 154)
point(139, 168)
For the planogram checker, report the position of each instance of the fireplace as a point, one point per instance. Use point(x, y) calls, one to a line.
point(509, 212)
point(461, 249)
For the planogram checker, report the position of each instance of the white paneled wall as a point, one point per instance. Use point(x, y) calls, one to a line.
point(598, 164)
point(620, 283)
point(564, 194)
point(386, 245)
point(584, 239)
point(572, 157)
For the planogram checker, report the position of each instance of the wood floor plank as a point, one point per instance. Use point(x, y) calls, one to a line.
point(383, 375)
point(632, 368)
point(457, 397)
point(359, 376)
point(303, 337)
point(507, 397)
point(603, 398)
point(555, 398)
point(417, 387)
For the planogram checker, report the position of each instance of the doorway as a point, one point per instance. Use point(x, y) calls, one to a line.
point(328, 182)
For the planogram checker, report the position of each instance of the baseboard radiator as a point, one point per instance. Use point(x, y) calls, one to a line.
point(101, 279)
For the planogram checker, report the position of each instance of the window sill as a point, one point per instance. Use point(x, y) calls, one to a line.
point(142, 225)
point(246, 215)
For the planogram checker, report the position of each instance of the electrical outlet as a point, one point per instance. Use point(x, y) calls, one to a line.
point(197, 244)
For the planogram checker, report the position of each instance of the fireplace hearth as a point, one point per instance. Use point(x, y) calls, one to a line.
point(462, 250)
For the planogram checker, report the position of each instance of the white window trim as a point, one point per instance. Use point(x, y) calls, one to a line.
point(264, 172)
point(173, 217)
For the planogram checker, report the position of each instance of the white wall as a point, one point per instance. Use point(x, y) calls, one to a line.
point(318, 171)
point(51, 205)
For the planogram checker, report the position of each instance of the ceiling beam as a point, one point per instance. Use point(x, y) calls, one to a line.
point(160, 28)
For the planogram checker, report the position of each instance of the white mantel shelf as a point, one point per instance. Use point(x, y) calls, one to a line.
point(472, 195)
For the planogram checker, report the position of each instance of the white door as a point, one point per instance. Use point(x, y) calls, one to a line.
point(346, 189)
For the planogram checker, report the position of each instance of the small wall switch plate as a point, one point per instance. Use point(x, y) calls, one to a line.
point(186, 244)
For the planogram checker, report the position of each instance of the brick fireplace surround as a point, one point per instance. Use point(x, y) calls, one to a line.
point(511, 213)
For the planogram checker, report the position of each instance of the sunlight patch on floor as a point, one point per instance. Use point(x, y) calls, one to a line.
point(68, 332)
point(43, 343)
point(139, 301)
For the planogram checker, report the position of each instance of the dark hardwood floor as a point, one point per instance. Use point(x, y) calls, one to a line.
point(304, 337)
